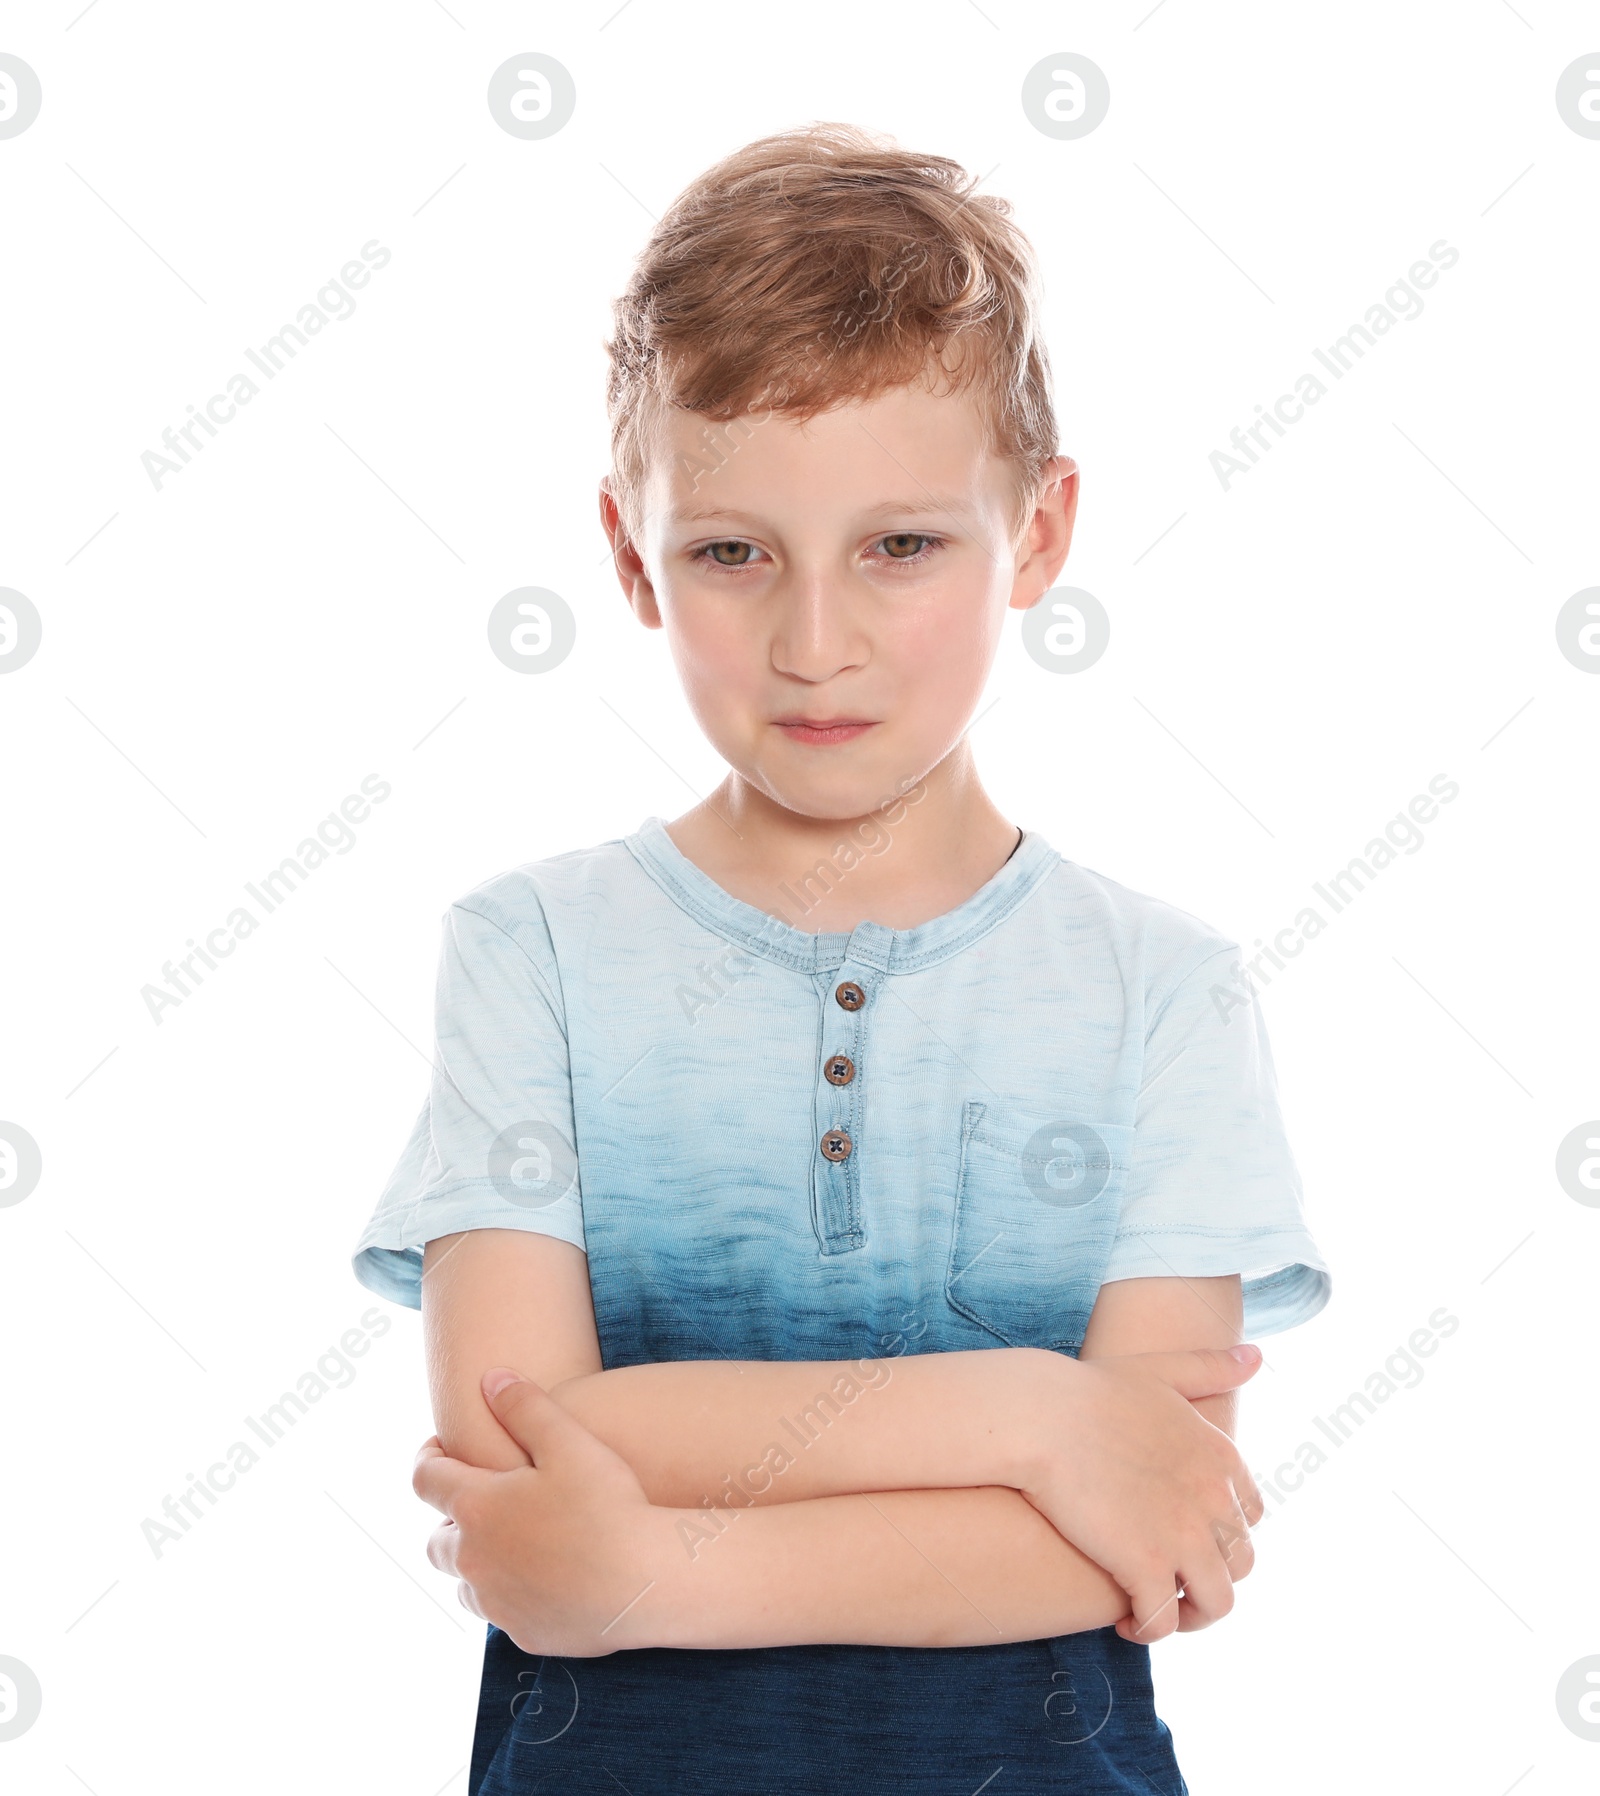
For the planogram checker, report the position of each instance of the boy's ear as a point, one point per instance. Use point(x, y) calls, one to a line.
point(1049, 535)
point(625, 558)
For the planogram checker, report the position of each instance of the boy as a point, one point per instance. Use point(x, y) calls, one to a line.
point(834, 1213)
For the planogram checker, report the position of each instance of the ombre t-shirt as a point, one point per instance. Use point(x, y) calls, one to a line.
point(775, 1144)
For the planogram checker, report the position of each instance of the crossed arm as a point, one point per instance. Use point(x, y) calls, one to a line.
point(928, 1500)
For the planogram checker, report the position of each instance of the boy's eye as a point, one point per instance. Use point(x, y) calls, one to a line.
point(899, 545)
point(731, 553)
point(904, 545)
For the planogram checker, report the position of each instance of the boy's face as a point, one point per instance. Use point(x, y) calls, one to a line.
point(852, 572)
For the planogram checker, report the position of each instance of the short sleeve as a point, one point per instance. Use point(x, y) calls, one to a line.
point(494, 1144)
point(1212, 1186)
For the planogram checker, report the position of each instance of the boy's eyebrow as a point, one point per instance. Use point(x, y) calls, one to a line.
point(925, 502)
point(702, 513)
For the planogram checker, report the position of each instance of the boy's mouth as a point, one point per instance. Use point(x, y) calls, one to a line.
point(822, 730)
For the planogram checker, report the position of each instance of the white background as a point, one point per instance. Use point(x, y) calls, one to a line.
point(226, 659)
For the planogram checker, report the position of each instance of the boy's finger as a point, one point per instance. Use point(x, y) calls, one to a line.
point(527, 1412)
point(1205, 1371)
point(1207, 1594)
point(1155, 1614)
point(439, 1480)
point(1249, 1495)
point(1235, 1545)
point(443, 1544)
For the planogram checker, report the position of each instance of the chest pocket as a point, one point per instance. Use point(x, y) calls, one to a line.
point(1037, 1204)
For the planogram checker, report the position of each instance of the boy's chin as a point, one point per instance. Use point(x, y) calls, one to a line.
point(841, 798)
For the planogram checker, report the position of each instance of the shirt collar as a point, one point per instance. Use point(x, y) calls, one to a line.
point(874, 944)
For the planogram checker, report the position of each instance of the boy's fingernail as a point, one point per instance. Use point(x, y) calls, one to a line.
point(1246, 1354)
point(495, 1382)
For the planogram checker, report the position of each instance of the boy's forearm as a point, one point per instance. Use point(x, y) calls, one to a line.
point(970, 1567)
point(907, 1566)
point(829, 1536)
point(1157, 1315)
point(779, 1432)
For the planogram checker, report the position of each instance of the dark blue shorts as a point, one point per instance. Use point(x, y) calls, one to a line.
point(1072, 1715)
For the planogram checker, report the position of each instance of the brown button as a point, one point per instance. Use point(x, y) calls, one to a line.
point(840, 1070)
point(850, 996)
point(836, 1145)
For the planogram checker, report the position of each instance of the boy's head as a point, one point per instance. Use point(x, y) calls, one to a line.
point(834, 456)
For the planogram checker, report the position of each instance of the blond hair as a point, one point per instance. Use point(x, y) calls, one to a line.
point(824, 265)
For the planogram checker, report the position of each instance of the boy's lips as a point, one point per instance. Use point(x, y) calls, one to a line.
point(822, 730)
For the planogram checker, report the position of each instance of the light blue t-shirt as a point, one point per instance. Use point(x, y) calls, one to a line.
point(775, 1144)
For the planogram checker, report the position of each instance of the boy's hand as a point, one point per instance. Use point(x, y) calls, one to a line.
point(555, 1551)
point(1135, 1477)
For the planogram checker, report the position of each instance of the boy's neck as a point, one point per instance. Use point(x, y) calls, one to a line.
point(899, 866)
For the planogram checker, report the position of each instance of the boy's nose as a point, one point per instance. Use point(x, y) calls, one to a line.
point(818, 630)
